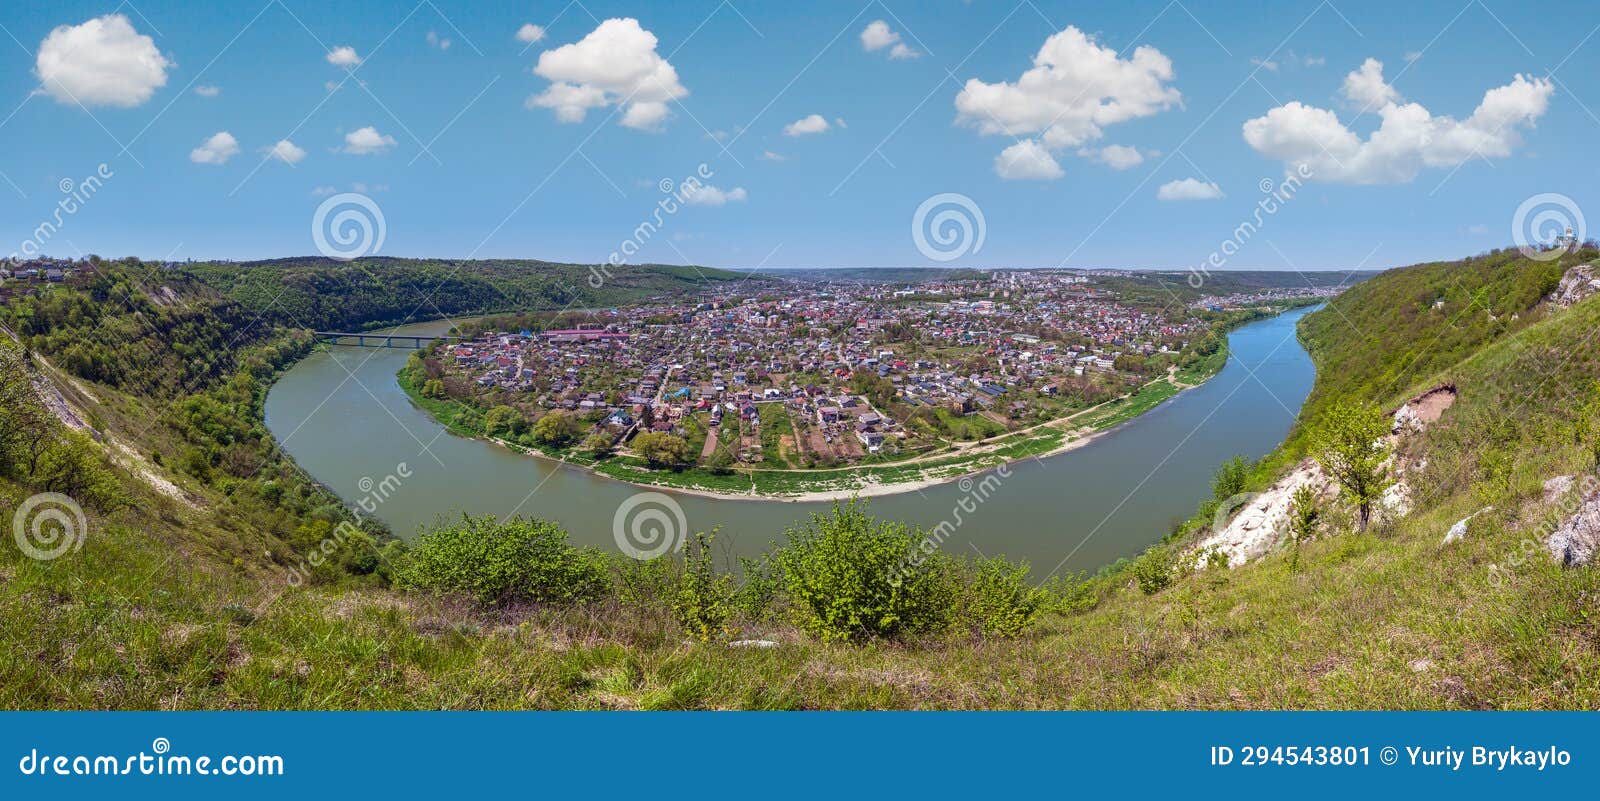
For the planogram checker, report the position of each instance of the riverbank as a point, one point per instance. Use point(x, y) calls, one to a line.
point(956, 462)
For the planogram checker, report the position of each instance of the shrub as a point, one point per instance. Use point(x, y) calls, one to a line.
point(500, 562)
point(1153, 570)
point(1230, 478)
point(756, 597)
point(704, 600)
point(849, 577)
point(999, 602)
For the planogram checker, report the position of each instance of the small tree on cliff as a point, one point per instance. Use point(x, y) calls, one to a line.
point(1352, 445)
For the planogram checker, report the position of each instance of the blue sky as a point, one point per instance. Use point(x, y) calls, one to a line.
point(469, 153)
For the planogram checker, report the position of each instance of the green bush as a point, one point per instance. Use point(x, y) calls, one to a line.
point(704, 599)
point(501, 562)
point(999, 602)
point(1154, 570)
point(850, 578)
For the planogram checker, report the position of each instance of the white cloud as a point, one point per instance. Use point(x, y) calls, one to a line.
point(813, 124)
point(367, 142)
point(877, 36)
point(103, 62)
point(343, 56)
point(1313, 140)
point(286, 152)
point(1270, 66)
point(1188, 189)
point(438, 41)
point(768, 155)
point(1366, 89)
point(1075, 89)
point(1117, 157)
point(530, 33)
point(708, 195)
point(1027, 160)
point(324, 191)
point(207, 91)
point(216, 150)
point(1315, 61)
point(616, 64)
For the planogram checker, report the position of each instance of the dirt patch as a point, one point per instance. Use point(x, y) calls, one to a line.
point(1431, 405)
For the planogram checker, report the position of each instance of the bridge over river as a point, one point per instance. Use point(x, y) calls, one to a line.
point(380, 339)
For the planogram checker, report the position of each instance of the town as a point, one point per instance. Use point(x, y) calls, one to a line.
point(821, 374)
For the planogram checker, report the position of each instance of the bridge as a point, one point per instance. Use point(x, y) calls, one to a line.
point(378, 340)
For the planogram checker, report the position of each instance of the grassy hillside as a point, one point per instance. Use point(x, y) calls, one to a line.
point(324, 294)
point(176, 606)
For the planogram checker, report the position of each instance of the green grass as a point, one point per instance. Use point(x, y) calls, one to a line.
point(172, 607)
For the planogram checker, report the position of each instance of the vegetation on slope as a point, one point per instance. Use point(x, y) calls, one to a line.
point(151, 614)
point(327, 295)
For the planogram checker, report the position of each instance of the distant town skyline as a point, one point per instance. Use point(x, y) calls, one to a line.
point(1142, 135)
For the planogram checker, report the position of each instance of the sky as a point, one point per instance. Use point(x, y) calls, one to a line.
point(989, 133)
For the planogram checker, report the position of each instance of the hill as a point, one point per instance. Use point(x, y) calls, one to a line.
point(324, 294)
point(182, 600)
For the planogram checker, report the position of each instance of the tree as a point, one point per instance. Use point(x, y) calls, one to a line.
point(1352, 445)
point(1304, 517)
point(598, 445)
point(1230, 478)
point(662, 450)
point(556, 429)
point(503, 421)
point(433, 388)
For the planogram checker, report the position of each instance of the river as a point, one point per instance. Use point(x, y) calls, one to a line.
point(341, 415)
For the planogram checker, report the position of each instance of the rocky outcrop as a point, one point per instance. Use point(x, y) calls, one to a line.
point(1260, 519)
point(1579, 283)
point(1574, 542)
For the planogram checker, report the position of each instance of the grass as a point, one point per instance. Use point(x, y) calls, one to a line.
point(171, 607)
